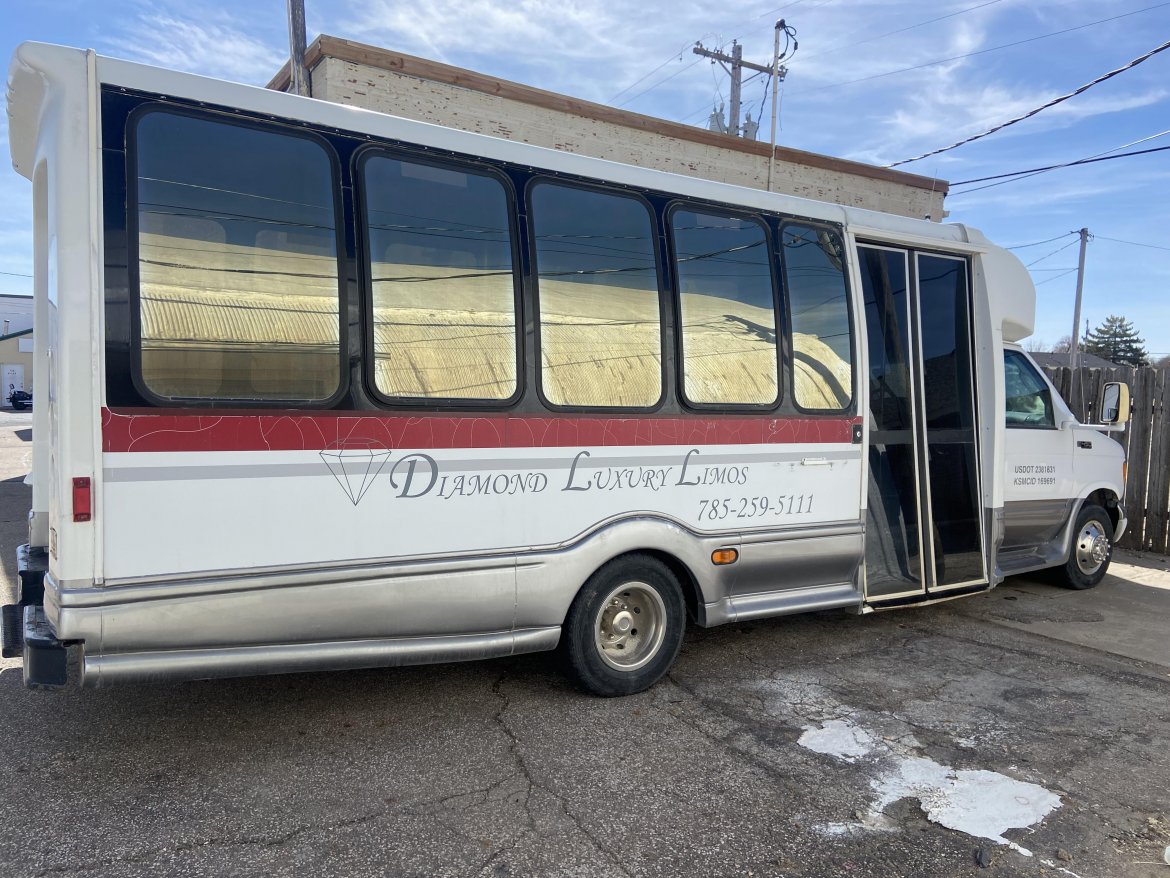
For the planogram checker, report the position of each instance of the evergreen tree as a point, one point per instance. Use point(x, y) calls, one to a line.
point(1117, 341)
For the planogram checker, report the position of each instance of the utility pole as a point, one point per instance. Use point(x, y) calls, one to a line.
point(298, 74)
point(778, 74)
point(735, 59)
point(1073, 350)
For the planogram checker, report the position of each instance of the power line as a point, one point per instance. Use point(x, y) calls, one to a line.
point(642, 79)
point(1057, 277)
point(1053, 253)
point(1038, 243)
point(984, 51)
point(747, 21)
point(900, 30)
point(15, 274)
point(660, 82)
point(679, 53)
point(1052, 103)
point(1134, 243)
point(1031, 172)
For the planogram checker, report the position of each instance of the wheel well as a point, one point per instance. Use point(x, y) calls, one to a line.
point(1108, 501)
point(690, 585)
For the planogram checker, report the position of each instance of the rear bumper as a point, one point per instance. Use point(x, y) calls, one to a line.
point(27, 631)
point(30, 592)
point(28, 634)
point(31, 566)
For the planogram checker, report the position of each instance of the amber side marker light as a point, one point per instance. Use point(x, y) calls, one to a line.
point(725, 556)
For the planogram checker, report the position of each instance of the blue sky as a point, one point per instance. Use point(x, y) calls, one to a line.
point(844, 96)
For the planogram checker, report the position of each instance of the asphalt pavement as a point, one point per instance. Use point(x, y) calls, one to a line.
point(1020, 732)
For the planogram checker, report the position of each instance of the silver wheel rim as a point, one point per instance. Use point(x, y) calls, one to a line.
point(630, 626)
point(1092, 548)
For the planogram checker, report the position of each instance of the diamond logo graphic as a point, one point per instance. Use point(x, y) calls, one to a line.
point(355, 463)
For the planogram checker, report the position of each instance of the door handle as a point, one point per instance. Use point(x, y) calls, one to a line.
point(815, 461)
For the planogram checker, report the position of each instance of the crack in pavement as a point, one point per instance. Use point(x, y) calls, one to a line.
point(514, 750)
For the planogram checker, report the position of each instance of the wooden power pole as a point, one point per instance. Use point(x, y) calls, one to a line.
point(735, 59)
point(1073, 349)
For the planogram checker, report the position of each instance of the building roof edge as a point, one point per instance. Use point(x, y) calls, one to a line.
point(326, 46)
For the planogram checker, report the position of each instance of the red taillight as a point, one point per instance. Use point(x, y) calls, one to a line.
point(82, 500)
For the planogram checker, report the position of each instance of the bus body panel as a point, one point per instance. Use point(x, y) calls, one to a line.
point(59, 152)
point(180, 513)
point(226, 542)
point(1049, 474)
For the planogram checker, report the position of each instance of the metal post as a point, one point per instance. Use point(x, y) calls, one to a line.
point(775, 101)
point(1073, 349)
point(299, 76)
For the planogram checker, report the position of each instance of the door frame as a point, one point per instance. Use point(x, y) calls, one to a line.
point(928, 572)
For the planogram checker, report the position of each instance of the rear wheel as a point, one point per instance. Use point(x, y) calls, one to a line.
point(1092, 548)
point(625, 626)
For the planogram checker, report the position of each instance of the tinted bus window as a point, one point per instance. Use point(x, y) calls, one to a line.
point(818, 308)
point(727, 302)
point(237, 262)
point(444, 300)
point(600, 332)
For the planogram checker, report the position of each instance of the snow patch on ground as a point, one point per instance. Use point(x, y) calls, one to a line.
point(839, 738)
point(982, 804)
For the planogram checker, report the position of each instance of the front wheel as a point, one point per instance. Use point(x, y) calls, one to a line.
point(1092, 548)
point(625, 626)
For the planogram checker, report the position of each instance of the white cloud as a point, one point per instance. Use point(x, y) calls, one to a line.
point(588, 48)
point(210, 43)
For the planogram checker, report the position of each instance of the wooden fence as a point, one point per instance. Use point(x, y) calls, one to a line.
point(1146, 440)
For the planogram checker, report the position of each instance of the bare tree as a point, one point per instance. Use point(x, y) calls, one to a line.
point(1063, 345)
point(1036, 345)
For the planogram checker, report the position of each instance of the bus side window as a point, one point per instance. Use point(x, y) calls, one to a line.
point(600, 325)
point(727, 300)
point(444, 294)
point(237, 262)
point(818, 310)
point(1028, 401)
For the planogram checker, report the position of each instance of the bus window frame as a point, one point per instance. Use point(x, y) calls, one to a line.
point(665, 311)
point(675, 281)
point(850, 406)
point(273, 126)
point(458, 164)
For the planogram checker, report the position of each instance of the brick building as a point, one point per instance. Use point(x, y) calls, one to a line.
point(346, 72)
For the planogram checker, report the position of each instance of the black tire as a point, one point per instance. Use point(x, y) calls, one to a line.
point(1085, 567)
point(627, 592)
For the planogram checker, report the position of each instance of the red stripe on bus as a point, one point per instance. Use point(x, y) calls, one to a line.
point(137, 430)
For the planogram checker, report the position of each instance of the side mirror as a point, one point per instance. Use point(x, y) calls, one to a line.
point(1114, 403)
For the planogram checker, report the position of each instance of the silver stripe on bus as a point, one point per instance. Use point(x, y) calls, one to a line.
point(77, 593)
point(200, 472)
point(141, 667)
